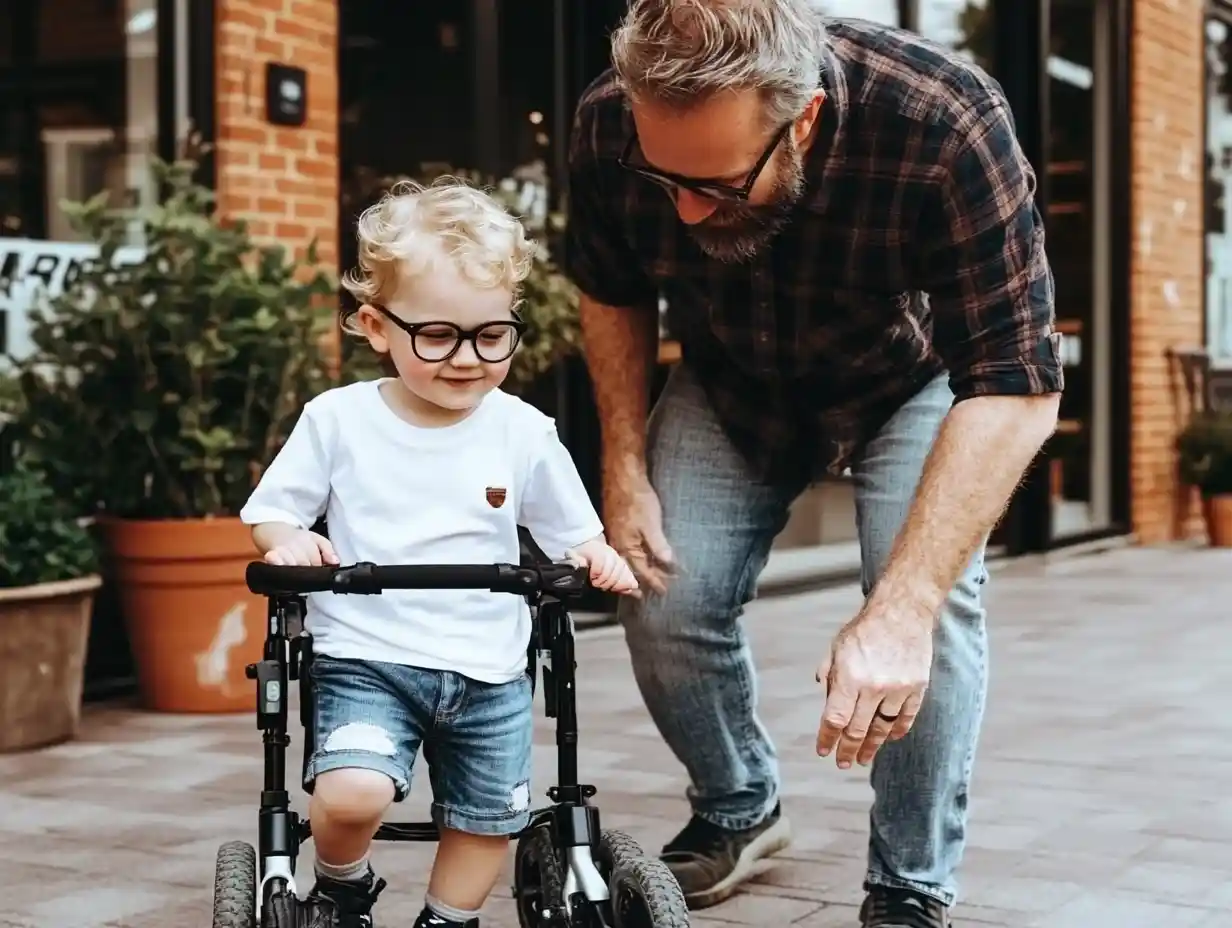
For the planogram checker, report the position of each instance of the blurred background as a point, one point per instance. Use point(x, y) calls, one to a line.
point(306, 106)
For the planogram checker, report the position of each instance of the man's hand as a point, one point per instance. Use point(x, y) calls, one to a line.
point(608, 570)
point(875, 675)
point(302, 549)
point(634, 522)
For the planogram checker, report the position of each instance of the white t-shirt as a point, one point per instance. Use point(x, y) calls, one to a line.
point(393, 493)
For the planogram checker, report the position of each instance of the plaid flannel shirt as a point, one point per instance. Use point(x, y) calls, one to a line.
point(917, 249)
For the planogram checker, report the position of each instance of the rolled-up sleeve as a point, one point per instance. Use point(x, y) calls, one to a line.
point(983, 265)
point(598, 257)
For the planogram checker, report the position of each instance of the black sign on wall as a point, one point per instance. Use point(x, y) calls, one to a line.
point(286, 94)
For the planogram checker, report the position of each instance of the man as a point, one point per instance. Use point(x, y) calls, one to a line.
point(843, 227)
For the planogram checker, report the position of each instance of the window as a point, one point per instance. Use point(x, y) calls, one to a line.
point(964, 25)
point(878, 11)
point(80, 104)
point(1218, 186)
point(79, 116)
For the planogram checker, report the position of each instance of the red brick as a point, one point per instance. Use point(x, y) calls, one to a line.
point(284, 181)
point(1167, 80)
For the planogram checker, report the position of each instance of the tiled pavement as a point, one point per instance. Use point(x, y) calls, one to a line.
point(1103, 791)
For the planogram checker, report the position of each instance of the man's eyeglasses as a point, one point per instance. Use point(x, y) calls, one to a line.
point(714, 190)
point(434, 342)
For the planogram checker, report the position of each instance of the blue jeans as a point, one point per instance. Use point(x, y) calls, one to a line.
point(692, 659)
point(374, 715)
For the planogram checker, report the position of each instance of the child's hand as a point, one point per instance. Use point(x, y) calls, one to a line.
point(608, 570)
point(303, 549)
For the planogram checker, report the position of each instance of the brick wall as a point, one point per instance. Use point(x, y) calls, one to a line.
point(1167, 270)
point(283, 180)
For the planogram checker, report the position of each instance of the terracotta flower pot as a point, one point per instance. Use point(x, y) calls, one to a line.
point(43, 635)
point(192, 624)
point(1217, 511)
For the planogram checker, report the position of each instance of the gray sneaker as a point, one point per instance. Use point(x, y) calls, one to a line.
point(711, 862)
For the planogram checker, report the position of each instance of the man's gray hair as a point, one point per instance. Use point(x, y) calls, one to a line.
point(681, 52)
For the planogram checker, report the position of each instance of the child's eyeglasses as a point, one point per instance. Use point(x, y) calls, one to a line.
point(433, 342)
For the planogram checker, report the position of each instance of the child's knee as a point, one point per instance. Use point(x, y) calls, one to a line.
point(352, 795)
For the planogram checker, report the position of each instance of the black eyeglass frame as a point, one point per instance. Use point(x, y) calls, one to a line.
point(460, 335)
point(710, 189)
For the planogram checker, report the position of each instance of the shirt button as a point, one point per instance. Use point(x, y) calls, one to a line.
point(764, 338)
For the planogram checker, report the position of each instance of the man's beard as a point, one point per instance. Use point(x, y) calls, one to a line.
point(735, 232)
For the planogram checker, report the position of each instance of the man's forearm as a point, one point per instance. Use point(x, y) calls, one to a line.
point(621, 347)
point(982, 450)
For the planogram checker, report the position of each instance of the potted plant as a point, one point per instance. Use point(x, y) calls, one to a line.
point(1204, 450)
point(161, 383)
point(48, 576)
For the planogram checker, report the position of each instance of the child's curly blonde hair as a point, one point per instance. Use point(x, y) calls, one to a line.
point(414, 225)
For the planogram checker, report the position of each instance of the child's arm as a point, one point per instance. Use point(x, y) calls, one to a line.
point(557, 511)
point(290, 546)
point(291, 496)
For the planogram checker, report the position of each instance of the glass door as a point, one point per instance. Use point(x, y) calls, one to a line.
point(1078, 225)
point(1218, 184)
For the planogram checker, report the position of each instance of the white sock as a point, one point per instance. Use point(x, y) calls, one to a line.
point(344, 873)
point(448, 912)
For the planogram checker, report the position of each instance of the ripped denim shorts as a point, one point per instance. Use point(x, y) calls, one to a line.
point(374, 715)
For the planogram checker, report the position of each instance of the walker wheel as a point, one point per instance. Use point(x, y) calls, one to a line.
point(235, 886)
point(616, 848)
point(645, 894)
point(538, 880)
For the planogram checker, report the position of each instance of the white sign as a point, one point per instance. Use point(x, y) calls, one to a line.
point(31, 271)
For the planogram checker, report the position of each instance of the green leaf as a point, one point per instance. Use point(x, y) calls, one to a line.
point(144, 420)
point(41, 540)
point(156, 387)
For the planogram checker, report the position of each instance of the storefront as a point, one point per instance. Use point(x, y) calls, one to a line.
point(1104, 93)
point(1063, 63)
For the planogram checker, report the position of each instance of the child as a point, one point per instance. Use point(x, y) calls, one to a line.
point(436, 465)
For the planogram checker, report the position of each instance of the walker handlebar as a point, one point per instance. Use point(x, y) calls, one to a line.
point(366, 578)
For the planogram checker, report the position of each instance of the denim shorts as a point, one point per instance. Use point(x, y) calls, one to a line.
point(375, 716)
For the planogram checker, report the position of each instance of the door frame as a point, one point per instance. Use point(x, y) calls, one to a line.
point(1021, 30)
point(1220, 10)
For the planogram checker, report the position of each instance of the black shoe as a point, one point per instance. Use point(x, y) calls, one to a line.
point(901, 908)
point(429, 919)
point(342, 903)
point(710, 862)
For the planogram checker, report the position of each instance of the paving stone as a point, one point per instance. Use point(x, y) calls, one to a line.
point(765, 909)
point(1123, 910)
point(830, 916)
point(1100, 794)
point(119, 901)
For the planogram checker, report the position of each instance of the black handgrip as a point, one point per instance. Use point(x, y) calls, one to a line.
point(270, 579)
point(437, 576)
point(274, 580)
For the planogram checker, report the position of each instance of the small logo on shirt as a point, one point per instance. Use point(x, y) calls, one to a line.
point(495, 496)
